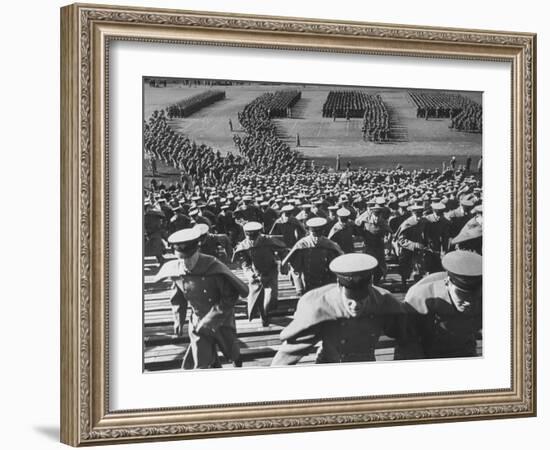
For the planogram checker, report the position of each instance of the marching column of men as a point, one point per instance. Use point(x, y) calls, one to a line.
point(335, 247)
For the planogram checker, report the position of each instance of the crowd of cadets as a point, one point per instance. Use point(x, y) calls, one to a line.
point(376, 120)
point(414, 216)
point(299, 225)
point(199, 163)
point(465, 114)
point(192, 104)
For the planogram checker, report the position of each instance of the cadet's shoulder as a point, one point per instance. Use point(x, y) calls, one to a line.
point(243, 245)
point(409, 221)
point(317, 306)
point(386, 299)
point(381, 291)
point(317, 296)
point(207, 261)
point(302, 243)
point(432, 286)
point(168, 270)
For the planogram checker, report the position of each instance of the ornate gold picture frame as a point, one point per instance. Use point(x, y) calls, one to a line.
point(87, 31)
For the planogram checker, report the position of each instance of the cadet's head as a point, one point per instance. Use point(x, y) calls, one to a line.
point(332, 211)
point(467, 205)
point(354, 274)
point(417, 210)
point(465, 278)
point(343, 214)
point(185, 242)
point(286, 211)
point(402, 207)
point(316, 225)
point(252, 230)
point(203, 229)
point(376, 213)
point(438, 209)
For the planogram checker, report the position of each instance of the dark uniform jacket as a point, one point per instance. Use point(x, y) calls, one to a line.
point(291, 230)
point(321, 317)
point(395, 221)
point(249, 213)
point(216, 245)
point(179, 222)
point(311, 257)
point(269, 218)
point(458, 218)
point(410, 233)
point(373, 236)
point(257, 258)
point(342, 234)
point(442, 330)
point(225, 222)
point(437, 233)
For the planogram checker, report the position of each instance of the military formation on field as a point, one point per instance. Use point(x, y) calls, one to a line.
point(465, 114)
point(188, 106)
point(376, 120)
point(280, 103)
point(263, 149)
point(345, 104)
point(198, 163)
point(470, 119)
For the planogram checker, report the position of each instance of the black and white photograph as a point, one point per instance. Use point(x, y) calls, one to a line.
point(291, 224)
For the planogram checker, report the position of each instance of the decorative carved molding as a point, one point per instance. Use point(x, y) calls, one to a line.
point(309, 26)
point(300, 423)
point(89, 15)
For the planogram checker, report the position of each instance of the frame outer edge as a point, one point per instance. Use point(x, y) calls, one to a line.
point(70, 299)
point(78, 390)
point(533, 234)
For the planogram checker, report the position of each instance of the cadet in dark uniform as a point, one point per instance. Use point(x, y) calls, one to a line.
point(269, 216)
point(460, 216)
point(398, 217)
point(411, 244)
point(217, 245)
point(211, 290)
point(343, 231)
point(447, 308)
point(347, 317)
point(179, 220)
point(154, 244)
point(205, 213)
point(373, 229)
point(310, 257)
point(437, 234)
point(257, 256)
point(332, 218)
point(197, 217)
point(288, 227)
point(249, 212)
